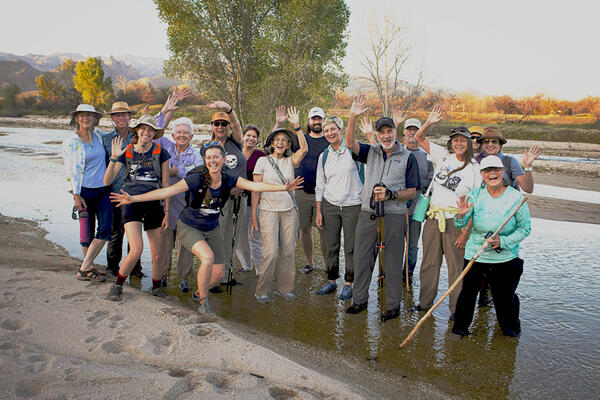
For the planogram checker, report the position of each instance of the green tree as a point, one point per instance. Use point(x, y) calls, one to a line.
point(11, 91)
point(257, 54)
point(90, 82)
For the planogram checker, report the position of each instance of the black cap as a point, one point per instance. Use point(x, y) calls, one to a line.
point(384, 121)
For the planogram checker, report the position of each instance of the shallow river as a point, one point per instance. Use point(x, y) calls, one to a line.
point(557, 355)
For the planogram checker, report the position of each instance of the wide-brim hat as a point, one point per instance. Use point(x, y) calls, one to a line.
point(290, 135)
point(84, 108)
point(460, 130)
point(150, 121)
point(121, 107)
point(476, 129)
point(491, 132)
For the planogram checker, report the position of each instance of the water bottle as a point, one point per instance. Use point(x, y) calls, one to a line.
point(421, 208)
point(84, 229)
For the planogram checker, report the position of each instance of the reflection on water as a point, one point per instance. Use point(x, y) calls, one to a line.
point(556, 356)
point(580, 160)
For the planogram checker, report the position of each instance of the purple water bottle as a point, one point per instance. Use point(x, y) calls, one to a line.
point(84, 232)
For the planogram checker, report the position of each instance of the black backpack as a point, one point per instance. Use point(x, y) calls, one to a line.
point(198, 200)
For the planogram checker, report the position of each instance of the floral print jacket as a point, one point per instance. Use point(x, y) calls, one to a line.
point(73, 152)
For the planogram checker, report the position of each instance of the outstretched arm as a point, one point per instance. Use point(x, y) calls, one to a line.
point(359, 107)
point(158, 194)
point(267, 187)
point(434, 117)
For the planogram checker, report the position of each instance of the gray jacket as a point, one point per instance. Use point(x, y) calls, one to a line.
point(392, 172)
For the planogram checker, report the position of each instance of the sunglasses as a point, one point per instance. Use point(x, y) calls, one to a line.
point(219, 123)
point(459, 130)
point(492, 169)
point(492, 141)
point(216, 143)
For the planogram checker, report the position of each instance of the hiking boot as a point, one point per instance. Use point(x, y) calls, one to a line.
point(452, 317)
point(164, 282)
point(356, 308)
point(184, 285)
point(263, 298)
point(158, 292)
point(419, 308)
point(115, 293)
point(346, 293)
point(287, 296)
point(511, 332)
point(215, 290)
point(461, 332)
point(327, 288)
point(307, 269)
point(390, 314)
point(204, 308)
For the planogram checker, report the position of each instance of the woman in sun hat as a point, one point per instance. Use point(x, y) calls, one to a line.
point(85, 165)
point(499, 264)
point(278, 212)
point(456, 173)
point(146, 168)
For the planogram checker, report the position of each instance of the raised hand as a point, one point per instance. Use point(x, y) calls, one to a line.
point(146, 109)
point(121, 198)
point(280, 117)
point(116, 147)
point(436, 114)
point(400, 115)
point(359, 105)
point(293, 116)
point(218, 104)
point(366, 127)
point(463, 206)
point(181, 94)
point(529, 156)
point(295, 184)
point(170, 104)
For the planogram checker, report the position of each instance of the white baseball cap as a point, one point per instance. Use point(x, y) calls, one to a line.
point(491, 162)
point(412, 122)
point(316, 112)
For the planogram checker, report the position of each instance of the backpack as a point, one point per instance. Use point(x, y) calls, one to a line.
point(507, 178)
point(155, 162)
point(198, 200)
point(359, 166)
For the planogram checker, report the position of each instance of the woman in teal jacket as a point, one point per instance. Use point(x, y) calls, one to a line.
point(499, 264)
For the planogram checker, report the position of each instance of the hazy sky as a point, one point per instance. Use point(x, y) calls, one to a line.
point(517, 47)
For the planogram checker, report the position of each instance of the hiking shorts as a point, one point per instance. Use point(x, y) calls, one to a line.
point(150, 213)
point(189, 236)
point(307, 208)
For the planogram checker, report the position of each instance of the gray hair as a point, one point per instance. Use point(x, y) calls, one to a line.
point(184, 121)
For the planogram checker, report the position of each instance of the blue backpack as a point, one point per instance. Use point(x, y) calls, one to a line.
point(359, 166)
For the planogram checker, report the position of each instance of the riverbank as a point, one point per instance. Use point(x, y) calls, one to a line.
point(59, 338)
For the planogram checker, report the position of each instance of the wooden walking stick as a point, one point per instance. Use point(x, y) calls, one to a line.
point(406, 247)
point(461, 276)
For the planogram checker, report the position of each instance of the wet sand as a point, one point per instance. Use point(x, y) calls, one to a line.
point(59, 338)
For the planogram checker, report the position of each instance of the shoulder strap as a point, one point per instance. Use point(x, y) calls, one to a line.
point(283, 180)
point(325, 153)
point(156, 163)
point(128, 159)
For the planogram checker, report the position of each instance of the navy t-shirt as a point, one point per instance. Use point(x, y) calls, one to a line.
point(141, 177)
point(412, 167)
point(308, 167)
point(205, 218)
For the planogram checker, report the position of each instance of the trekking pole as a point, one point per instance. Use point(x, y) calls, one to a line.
point(237, 200)
point(406, 247)
point(380, 213)
point(461, 276)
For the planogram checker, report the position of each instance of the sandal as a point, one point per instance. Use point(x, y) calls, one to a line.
point(90, 275)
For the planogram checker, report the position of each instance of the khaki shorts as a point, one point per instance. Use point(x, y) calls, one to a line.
point(189, 236)
point(307, 207)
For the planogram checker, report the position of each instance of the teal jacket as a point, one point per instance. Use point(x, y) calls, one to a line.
point(488, 214)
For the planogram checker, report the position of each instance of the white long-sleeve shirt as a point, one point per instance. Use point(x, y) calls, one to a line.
point(339, 182)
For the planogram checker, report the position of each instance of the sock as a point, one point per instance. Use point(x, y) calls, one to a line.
point(156, 283)
point(120, 279)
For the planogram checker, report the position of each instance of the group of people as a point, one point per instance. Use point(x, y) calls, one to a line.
point(230, 198)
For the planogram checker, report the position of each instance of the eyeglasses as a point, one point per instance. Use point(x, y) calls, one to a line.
point(492, 141)
point(220, 123)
